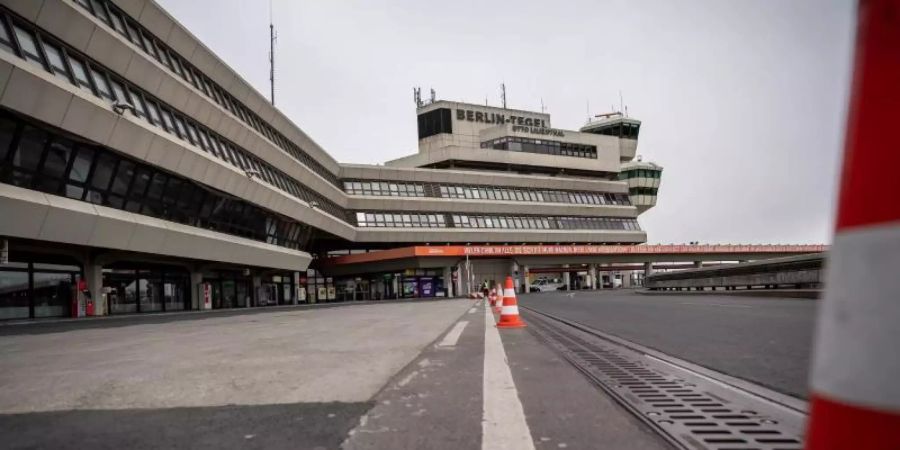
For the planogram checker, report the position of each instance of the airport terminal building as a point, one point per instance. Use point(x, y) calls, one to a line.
point(139, 173)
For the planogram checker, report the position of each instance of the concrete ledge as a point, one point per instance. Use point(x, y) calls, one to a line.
point(774, 293)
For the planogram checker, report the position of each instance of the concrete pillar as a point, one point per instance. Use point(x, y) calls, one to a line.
point(525, 282)
point(93, 276)
point(513, 268)
point(296, 276)
point(648, 270)
point(196, 281)
point(257, 287)
point(448, 281)
point(593, 277)
point(566, 277)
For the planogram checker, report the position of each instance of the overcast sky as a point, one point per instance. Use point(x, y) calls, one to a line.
point(742, 102)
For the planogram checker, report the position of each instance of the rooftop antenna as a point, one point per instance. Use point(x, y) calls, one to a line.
point(543, 109)
point(503, 94)
point(626, 110)
point(621, 102)
point(433, 96)
point(417, 96)
point(272, 37)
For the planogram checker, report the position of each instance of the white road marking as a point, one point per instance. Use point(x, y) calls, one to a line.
point(453, 335)
point(716, 304)
point(503, 424)
point(472, 310)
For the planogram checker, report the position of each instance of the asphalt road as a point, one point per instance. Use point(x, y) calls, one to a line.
point(764, 340)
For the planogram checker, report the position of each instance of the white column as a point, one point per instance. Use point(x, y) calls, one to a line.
point(566, 278)
point(593, 277)
point(448, 281)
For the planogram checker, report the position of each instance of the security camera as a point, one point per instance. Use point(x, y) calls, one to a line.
point(120, 108)
point(252, 173)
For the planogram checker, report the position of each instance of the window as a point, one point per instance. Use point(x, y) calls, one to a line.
point(31, 146)
point(102, 84)
point(154, 113)
point(99, 10)
point(103, 171)
point(80, 72)
point(54, 57)
point(7, 133)
point(117, 22)
point(27, 44)
point(5, 38)
point(119, 90)
point(139, 106)
point(123, 178)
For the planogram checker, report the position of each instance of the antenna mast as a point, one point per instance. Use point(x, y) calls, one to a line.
point(271, 56)
point(503, 94)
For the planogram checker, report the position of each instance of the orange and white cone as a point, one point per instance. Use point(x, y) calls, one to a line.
point(855, 398)
point(509, 313)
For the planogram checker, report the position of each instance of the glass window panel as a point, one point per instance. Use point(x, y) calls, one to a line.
point(167, 120)
point(138, 100)
point(134, 34)
point(123, 178)
point(57, 158)
point(54, 57)
point(192, 132)
point(179, 125)
point(7, 132)
point(103, 171)
point(101, 83)
point(154, 113)
point(117, 22)
point(82, 164)
point(31, 146)
point(5, 37)
point(157, 185)
point(14, 295)
point(119, 90)
point(27, 43)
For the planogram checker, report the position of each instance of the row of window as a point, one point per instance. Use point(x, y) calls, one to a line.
point(84, 73)
point(434, 122)
point(401, 220)
point(442, 220)
point(385, 189)
point(640, 173)
point(545, 223)
point(116, 19)
point(622, 130)
point(528, 145)
point(33, 157)
point(392, 189)
point(643, 191)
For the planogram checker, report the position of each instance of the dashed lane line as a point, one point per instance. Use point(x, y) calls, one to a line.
point(453, 335)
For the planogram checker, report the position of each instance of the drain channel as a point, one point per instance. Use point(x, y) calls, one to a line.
point(684, 412)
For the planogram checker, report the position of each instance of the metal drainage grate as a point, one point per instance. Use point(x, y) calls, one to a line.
point(686, 415)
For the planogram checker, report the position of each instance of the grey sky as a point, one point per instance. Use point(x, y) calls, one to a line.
point(743, 103)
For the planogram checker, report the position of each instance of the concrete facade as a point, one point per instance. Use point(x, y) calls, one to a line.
point(125, 79)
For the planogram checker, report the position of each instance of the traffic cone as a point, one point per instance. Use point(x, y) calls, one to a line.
point(855, 394)
point(509, 313)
